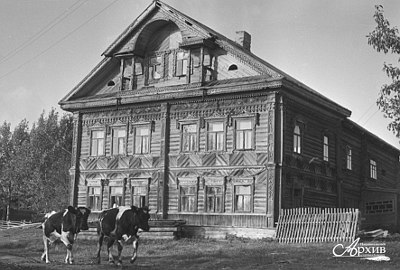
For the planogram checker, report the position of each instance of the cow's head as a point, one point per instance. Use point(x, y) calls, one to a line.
point(81, 217)
point(84, 215)
point(143, 217)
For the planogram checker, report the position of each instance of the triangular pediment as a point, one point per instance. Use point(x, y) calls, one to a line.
point(166, 50)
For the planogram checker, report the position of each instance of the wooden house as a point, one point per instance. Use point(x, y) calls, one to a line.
point(178, 117)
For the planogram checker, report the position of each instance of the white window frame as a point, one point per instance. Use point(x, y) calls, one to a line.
point(297, 138)
point(116, 144)
point(349, 158)
point(373, 169)
point(96, 140)
point(135, 141)
point(216, 134)
point(244, 144)
point(325, 148)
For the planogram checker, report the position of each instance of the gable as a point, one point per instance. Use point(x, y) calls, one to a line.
point(165, 48)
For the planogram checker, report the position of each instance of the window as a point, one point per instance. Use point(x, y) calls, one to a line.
point(182, 61)
point(138, 67)
point(97, 143)
point(142, 140)
point(297, 139)
point(215, 136)
point(214, 196)
point(188, 198)
point(119, 141)
point(379, 207)
point(349, 158)
point(243, 194)
point(116, 196)
point(189, 137)
point(326, 148)
point(244, 134)
point(372, 169)
point(94, 201)
point(127, 73)
point(155, 68)
point(139, 196)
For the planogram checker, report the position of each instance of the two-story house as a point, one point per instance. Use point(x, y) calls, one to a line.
point(182, 119)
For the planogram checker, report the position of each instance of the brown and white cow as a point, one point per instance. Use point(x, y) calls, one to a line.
point(64, 225)
point(122, 224)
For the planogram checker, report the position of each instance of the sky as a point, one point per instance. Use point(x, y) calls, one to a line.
point(48, 46)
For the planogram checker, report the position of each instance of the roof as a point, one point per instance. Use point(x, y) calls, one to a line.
point(204, 32)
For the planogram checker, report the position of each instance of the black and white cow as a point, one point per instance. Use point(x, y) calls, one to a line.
point(64, 225)
point(122, 224)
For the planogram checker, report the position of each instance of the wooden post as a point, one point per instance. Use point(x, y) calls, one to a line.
point(76, 146)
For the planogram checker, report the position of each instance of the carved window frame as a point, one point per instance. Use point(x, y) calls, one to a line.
point(141, 184)
point(187, 183)
point(224, 130)
point(134, 127)
point(243, 181)
point(127, 77)
point(113, 130)
point(113, 184)
point(104, 138)
point(214, 182)
point(152, 66)
point(181, 69)
point(181, 125)
point(94, 184)
point(253, 123)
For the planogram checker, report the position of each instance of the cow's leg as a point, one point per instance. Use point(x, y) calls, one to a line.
point(66, 239)
point(99, 244)
point(135, 245)
point(119, 252)
point(45, 255)
point(109, 246)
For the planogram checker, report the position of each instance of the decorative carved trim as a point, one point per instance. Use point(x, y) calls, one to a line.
point(245, 58)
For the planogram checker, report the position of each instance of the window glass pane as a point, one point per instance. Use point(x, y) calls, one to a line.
point(100, 147)
point(215, 126)
point(244, 124)
point(142, 131)
point(190, 128)
point(142, 140)
point(248, 140)
point(239, 140)
point(94, 148)
point(243, 190)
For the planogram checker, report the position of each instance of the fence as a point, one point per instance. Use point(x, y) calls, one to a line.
point(308, 225)
point(4, 225)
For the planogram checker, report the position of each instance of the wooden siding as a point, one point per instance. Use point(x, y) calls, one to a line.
point(237, 220)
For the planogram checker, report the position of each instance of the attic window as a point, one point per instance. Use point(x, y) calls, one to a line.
point(182, 61)
point(188, 23)
point(111, 83)
point(232, 67)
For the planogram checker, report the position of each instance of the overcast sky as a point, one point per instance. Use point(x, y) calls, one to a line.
point(48, 46)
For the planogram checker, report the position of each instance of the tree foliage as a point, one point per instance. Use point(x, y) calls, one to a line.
point(385, 38)
point(34, 163)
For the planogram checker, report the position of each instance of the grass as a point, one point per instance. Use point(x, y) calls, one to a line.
point(21, 249)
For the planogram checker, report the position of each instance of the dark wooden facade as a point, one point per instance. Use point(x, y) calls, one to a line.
point(184, 120)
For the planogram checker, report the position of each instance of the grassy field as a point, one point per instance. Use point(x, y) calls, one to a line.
point(22, 248)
